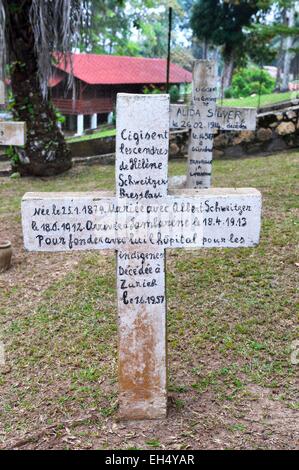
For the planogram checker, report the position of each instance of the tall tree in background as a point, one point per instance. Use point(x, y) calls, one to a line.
point(109, 27)
point(112, 26)
point(221, 23)
point(288, 54)
point(277, 39)
point(139, 29)
point(153, 29)
point(33, 30)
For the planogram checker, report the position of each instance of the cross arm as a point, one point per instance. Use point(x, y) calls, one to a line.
point(184, 219)
point(223, 217)
point(225, 118)
point(67, 221)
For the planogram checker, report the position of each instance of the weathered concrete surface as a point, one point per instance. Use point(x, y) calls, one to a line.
point(204, 118)
point(200, 152)
point(12, 133)
point(276, 131)
point(178, 181)
point(142, 313)
point(224, 117)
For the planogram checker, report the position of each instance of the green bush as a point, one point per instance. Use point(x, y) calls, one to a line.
point(13, 156)
point(228, 93)
point(249, 81)
point(152, 90)
point(174, 92)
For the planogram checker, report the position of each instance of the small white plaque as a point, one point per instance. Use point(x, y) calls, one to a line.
point(12, 133)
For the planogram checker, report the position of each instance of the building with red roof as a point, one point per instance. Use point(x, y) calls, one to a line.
point(98, 79)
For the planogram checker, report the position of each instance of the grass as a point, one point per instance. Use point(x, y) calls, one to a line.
point(96, 135)
point(253, 101)
point(231, 324)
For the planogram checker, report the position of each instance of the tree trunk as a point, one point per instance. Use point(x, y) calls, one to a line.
point(288, 54)
point(279, 65)
point(228, 71)
point(45, 152)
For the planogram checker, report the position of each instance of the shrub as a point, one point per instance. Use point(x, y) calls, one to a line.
point(251, 81)
point(174, 92)
point(152, 90)
point(228, 93)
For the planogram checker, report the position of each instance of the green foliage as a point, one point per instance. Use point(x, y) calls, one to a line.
point(264, 100)
point(258, 46)
point(131, 28)
point(155, 35)
point(174, 93)
point(227, 24)
point(109, 27)
point(250, 81)
point(152, 90)
point(59, 117)
point(221, 23)
point(182, 56)
point(153, 443)
point(15, 176)
point(112, 25)
point(11, 153)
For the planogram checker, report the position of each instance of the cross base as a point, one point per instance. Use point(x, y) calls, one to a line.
point(151, 407)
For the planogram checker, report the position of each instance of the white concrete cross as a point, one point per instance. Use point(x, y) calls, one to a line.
point(140, 222)
point(203, 117)
point(11, 133)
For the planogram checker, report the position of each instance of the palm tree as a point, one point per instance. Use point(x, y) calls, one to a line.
point(30, 31)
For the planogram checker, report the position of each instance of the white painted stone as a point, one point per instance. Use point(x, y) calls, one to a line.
point(80, 125)
point(225, 118)
point(177, 181)
point(2, 92)
point(89, 221)
point(236, 119)
point(200, 152)
point(204, 118)
point(12, 133)
point(110, 118)
point(94, 121)
point(140, 222)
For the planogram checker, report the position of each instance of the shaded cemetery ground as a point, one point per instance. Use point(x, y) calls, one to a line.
point(231, 320)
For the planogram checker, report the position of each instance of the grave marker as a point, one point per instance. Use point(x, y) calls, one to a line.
point(140, 222)
point(203, 117)
point(11, 133)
